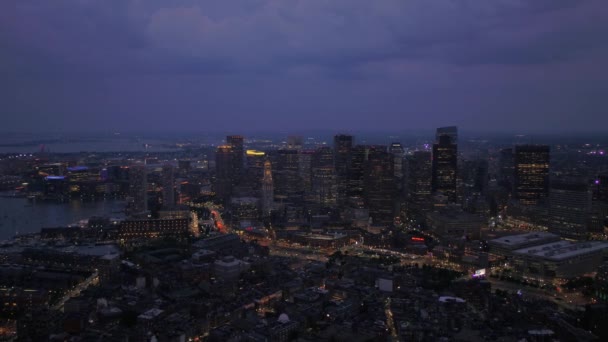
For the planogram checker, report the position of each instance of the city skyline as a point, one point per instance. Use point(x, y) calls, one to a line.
point(303, 237)
point(128, 65)
point(303, 170)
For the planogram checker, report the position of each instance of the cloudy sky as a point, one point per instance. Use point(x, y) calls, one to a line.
point(241, 65)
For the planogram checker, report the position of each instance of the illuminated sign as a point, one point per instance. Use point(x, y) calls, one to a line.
point(419, 239)
point(479, 273)
point(255, 153)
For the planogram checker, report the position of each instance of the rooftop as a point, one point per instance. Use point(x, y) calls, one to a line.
point(92, 250)
point(150, 314)
point(448, 299)
point(322, 236)
point(228, 261)
point(454, 214)
point(513, 241)
point(244, 200)
point(563, 249)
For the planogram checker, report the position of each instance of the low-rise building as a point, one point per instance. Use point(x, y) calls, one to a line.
point(450, 222)
point(154, 229)
point(335, 240)
point(224, 244)
point(503, 246)
point(563, 259)
point(229, 268)
point(245, 208)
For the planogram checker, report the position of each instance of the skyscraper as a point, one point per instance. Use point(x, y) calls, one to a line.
point(379, 185)
point(343, 145)
point(531, 173)
point(474, 175)
point(224, 171)
point(305, 169)
point(138, 188)
point(356, 172)
point(569, 207)
point(450, 131)
point(445, 167)
point(600, 188)
point(255, 159)
point(506, 169)
point(419, 173)
point(294, 142)
point(287, 180)
point(267, 188)
point(397, 151)
point(254, 168)
point(324, 184)
point(168, 184)
point(236, 143)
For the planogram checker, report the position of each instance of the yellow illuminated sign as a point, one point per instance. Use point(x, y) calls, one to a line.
point(255, 153)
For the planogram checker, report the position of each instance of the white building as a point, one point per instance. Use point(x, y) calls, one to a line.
point(562, 259)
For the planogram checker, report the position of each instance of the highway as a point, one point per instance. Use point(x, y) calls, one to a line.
point(75, 292)
point(216, 215)
point(390, 322)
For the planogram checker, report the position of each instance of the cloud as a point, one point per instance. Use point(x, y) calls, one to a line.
point(265, 35)
point(302, 63)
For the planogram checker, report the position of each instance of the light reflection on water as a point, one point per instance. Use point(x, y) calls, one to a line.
point(18, 215)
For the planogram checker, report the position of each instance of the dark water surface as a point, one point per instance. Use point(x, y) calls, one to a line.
point(20, 215)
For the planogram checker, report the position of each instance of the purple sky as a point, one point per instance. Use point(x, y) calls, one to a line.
point(242, 65)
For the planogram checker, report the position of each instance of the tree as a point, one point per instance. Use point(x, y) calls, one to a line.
point(293, 335)
point(129, 319)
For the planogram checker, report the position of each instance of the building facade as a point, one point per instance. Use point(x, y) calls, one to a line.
point(267, 188)
point(569, 207)
point(531, 164)
point(343, 145)
point(138, 188)
point(168, 184)
point(445, 167)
